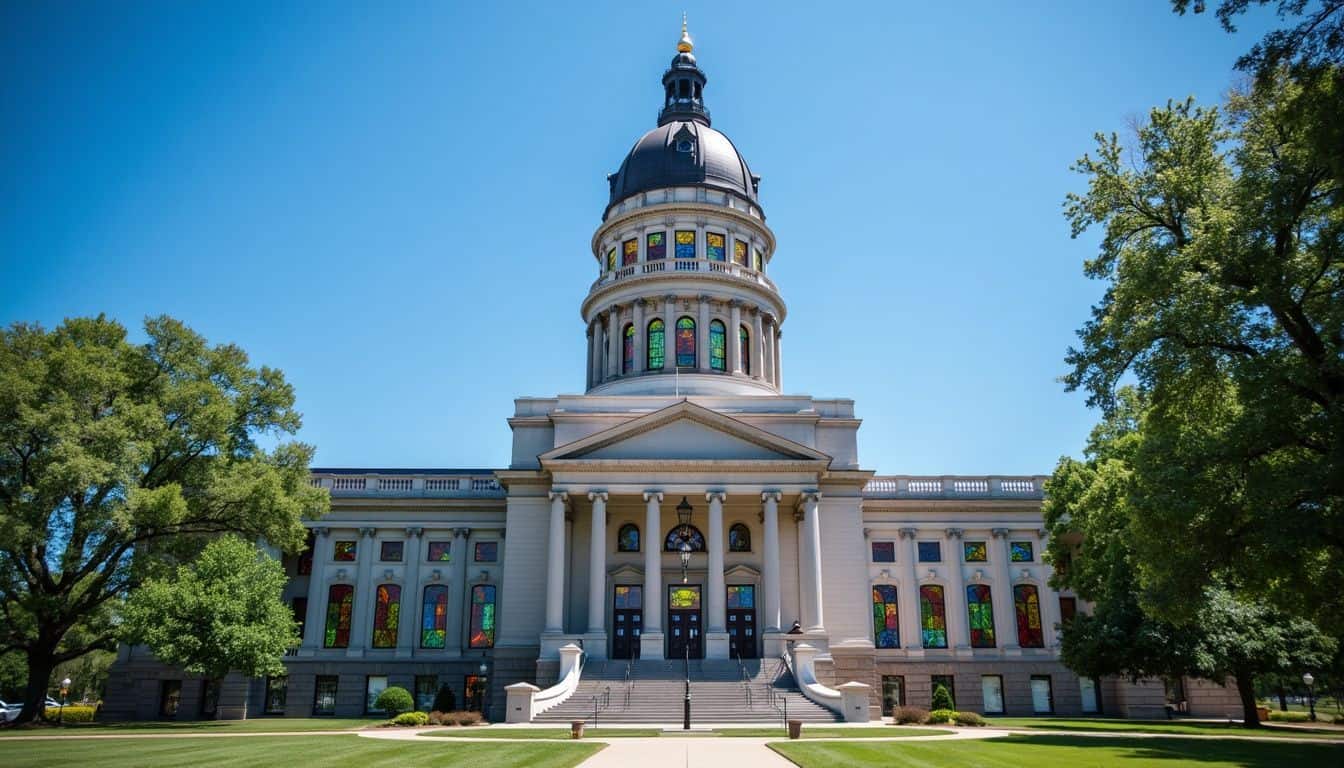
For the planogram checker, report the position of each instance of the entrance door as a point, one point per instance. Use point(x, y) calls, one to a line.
point(683, 622)
point(627, 618)
point(741, 622)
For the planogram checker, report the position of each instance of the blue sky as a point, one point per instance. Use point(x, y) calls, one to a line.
point(392, 202)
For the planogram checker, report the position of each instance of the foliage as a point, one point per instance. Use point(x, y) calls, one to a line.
point(970, 719)
point(118, 461)
point(941, 716)
point(459, 717)
point(1288, 717)
point(942, 699)
point(411, 719)
point(444, 700)
point(394, 700)
point(88, 674)
point(72, 713)
point(909, 715)
point(1317, 40)
point(219, 613)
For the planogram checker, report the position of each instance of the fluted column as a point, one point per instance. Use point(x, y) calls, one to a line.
point(958, 623)
point(717, 597)
point(613, 342)
point(408, 614)
point(1005, 618)
point(457, 589)
point(1049, 597)
point(669, 333)
point(757, 345)
point(734, 339)
point(595, 352)
point(653, 578)
point(911, 637)
point(365, 592)
point(597, 564)
point(702, 336)
point(812, 538)
point(770, 561)
point(641, 337)
point(768, 351)
point(313, 626)
point(555, 564)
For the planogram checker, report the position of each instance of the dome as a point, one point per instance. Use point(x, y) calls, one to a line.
point(683, 153)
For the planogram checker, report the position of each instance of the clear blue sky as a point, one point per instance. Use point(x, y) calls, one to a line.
point(392, 202)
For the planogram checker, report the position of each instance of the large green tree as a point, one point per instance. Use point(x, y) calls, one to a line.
point(119, 460)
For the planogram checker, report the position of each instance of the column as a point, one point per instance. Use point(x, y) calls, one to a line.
point(734, 340)
point(1005, 617)
point(801, 537)
point(651, 639)
point(768, 352)
point(716, 636)
point(702, 336)
point(457, 590)
point(641, 359)
point(597, 565)
point(613, 341)
point(812, 538)
point(958, 624)
point(555, 565)
point(911, 637)
point(779, 381)
point(365, 591)
point(770, 562)
point(594, 353)
point(313, 627)
point(1049, 597)
point(408, 616)
point(669, 333)
point(757, 345)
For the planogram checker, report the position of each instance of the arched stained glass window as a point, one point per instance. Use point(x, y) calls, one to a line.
point(886, 628)
point(692, 536)
point(386, 616)
point(685, 343)
point(980, 611)
point(1027, 602)
point(744, 343)
point(932, 616)
point(739, 538)
point(627, 538)
point(340, 609)
point(482, 616)
point(657, 344)
point(434, 617)
point(628, 358)
point(718, 339)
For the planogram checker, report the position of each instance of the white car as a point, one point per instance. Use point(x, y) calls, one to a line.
point(9, 712)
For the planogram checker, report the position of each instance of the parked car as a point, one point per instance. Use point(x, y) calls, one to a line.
point(9, 712)
point(50, 702)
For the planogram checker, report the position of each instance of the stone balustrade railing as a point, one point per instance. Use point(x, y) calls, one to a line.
point(682, 266)
point(955, 487)
point(374, 483)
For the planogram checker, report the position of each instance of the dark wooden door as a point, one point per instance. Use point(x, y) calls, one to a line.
point(684, 635)
point(627, 620)
point(741, 622)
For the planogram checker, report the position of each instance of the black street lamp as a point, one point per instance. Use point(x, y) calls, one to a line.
point(1308, 680)
point(684, 510)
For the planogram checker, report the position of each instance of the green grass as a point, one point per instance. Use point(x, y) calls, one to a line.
point(562, 734)
point(286, 751)
point(254, 725)
point(1049, 751)
point(1179, 727)
point(812, 732)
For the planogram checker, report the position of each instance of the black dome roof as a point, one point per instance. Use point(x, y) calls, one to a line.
point(683, 153)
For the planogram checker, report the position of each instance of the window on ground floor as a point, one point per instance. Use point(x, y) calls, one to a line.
point(991, 687)
point(209, 698)
point(276, 688)
point(474, 692)
point(426, 688)
point(375, 686)
point(324, 695)
point(1042, 697)
point(946, 682)
point(1088, 687)
point(893, 693)
point(170, 697)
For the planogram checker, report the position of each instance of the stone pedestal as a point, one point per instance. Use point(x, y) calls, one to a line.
point(854, 701)
point(651, 646)
point(518, 709)
point(595, 645)
point(716, 645)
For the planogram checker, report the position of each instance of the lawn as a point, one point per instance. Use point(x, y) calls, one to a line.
point(286, 751)
point(617, 733)
point(1072, 751)
point(1182, 727)
point(254, 725)
point(544, 734)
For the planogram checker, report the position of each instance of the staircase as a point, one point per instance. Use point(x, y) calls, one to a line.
point(721, 692)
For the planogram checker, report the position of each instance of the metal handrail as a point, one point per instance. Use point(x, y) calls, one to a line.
point(603, 699)
point(784, 711)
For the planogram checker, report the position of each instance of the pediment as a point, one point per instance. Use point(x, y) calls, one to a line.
point(680, 433)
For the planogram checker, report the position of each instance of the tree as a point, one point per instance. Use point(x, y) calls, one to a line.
point(941, 698)
point(1316, 42)
point(444, 700)
point(219, 613)
point(119, 461)
point(394, 700)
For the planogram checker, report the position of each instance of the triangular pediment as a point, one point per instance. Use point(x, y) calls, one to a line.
point(680, 433)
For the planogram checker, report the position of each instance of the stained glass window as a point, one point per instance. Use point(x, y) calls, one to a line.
point(391, 551)
point(744, 343)
point(756, 262)
point(740, 252)
point(344, 552)
point(340, 608)
point(656, 345)
point(486, 551)
point(611, 260)
point(739, 538)
point(932, 617)
point(886, 629)
point(1020, 551)
point(629, 252)
point(714, 247)
point(627, 538)
point(685, 244)
point(305, 564)
point(1027, 603)
point(742, 596)
point(685, 343)
point(482, 616)
point(976, 552)
point(930, 552)
point(884, 551)
point(434, 617)
point(439, 551)
point(691, 536)
point(655, 246)
point(683, 598)
point(386, 616)
point(628, 358)
point(718, 340)
point(629, 597)
point(980, 611)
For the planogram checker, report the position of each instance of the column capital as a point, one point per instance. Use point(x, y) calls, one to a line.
point(1000, 533)
point(321, 530)
point(615, 310)
point(670, 298)
point(771, 496)
point(908, 533)
point(722, 496)
point(1042, 534)
point(640, 302)
point(736, 303)
point(953, 533)
point(415, 533)
point(562, 495)
point(809, 496)
point(595, 495)
point(704, 298)
point(367, 533)
point(461, 533)
point(653, 495)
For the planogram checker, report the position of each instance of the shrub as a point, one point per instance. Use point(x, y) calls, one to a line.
point(941, 698)
point(909, 715)
point(468, 718)
point(969, 718)
point(455, 718)
point(1288, 717)
point(444, 700)
point(411, 718)
point(394, 700)
point(941, 717)
point(436, 718)
point(74, 713)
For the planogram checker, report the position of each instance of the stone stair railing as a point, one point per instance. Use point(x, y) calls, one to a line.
point(850, 700)
point(526, 701)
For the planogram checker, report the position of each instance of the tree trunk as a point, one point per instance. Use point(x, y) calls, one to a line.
point(40, 668)
point(1246, 688)
point(1283, 699)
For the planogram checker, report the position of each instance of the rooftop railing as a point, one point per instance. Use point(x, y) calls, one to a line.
point(955, 487)
point(682, 266)
point(347, 484)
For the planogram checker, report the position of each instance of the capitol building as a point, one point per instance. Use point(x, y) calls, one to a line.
point(684, 516)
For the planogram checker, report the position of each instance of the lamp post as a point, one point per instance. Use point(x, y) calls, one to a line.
point(65, 690)
point(684, 510)
point(1308, 680)
point(482, 685)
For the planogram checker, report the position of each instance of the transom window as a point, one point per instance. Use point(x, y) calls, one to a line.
point(930, 552)
point(1020, 551)
point(690, 535)
point(976, 552)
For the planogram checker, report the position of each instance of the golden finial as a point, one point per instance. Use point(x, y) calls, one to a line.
point(684, 45)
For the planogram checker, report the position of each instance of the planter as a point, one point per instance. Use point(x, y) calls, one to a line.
point(795, 729)
point(576, 729)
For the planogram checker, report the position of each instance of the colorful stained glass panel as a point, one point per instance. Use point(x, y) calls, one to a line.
point(714, 247)
point(757, 263)
point(685, 244)
point(611, 260)
point(740, 252)
point(691, 535)
point(655, 246)
point(932, 616)
point(656, 345)
point(930, 552)
point(629, 252)
point(886, 627)
point(386, 616)
point(627, 538)
point(980, 612)
point(434, 617)
point(440, 551)
point(629, 597)
point(717, 346)
point(344, 552)
point(683, 598)
point(487, 551)
point(744, 339)
point(1027, 605)
point(739, 538)
point(685, 343)
point(628, 350)
point(975, 552)
point(742, 597)
point(391, 551)
point(482, 616)
point(1020, 551)
point(340, 609)
point(884, 551)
